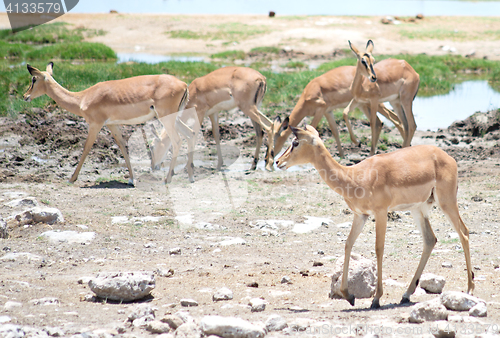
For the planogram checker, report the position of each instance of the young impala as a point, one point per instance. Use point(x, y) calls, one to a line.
point(111, 103)
point(412, 178)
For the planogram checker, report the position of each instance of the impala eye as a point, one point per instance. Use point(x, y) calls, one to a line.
point(364, 63)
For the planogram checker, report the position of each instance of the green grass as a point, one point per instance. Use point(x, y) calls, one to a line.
point(73, 51)
point(447, 34)
point(295, 64)
point(233, 31)
point(266, 49)
point(230, 55)
point(49, 33)
point(188, 35)
point(14, 50)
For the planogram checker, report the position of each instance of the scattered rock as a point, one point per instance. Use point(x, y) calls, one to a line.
point(71, 237)
point(165, 273)
point(362, 278)
point(286, 280)
point(123, 286)
point(478, 310)
point(173, 321)
point(230, 327)
point(275, 323)
point(432, 283)
point(188, 330)
point(253, 285)
point(39, 215)
point(156, 326)
point(300, 324)
point(4, 232)
point(174, 251)
point(26, 202)
point(185, 316)
point(233, 241)
point(459, 301)
point(447, 265)
point(316, 263)
point(142, 322)
point(54, 331)
point(428, 311)
point(257, 304)
point(45, 301)
point(14, 256)
point(188, 302)
point(222, 294)
point(142, 310)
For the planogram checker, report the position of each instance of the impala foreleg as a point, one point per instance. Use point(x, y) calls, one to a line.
point(335, 131)
point(350, 107)
point(190, 135)
point(91, 137)
point(380, 229)
point(117, 135)
point(357, 225)
point(259, 136)
point(214, 118)
point(376, 128)
point(422, 219)
point(393, 117)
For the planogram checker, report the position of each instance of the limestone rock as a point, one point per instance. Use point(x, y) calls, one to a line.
point(222, 294)
point(362, 281)
point(173, 321)
point(123, 286)
point(257, 304)
point(459, 301)
point(39, 215)
point(188, 330)
point(432, 283)
point(275, 323)
point(478, 310)
point(157, 326)
point(230, 327)
point(428, 311)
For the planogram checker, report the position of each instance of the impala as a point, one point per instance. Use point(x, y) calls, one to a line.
point(225, 89)
point(322, 95)
point(133, 100)
point(412, 179)
point(397, 82)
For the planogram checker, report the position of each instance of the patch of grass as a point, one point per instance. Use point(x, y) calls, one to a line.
point(73, 51)
point(350, 61)
point(230, 55)
point(295, 64)
point(188, 35)
point(448, 34)
point(236, 31)
point(13, 50)
point(266, 49)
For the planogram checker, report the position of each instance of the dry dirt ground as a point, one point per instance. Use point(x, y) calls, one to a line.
point(39, 151)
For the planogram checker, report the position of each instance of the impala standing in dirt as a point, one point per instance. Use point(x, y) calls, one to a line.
point(412, 179)
point(127, 101)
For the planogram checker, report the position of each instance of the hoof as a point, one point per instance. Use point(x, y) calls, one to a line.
point(351, 299)
point(404, 300)
point(375, 304)
point(130, 182)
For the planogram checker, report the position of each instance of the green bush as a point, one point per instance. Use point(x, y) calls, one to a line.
point(73, 51)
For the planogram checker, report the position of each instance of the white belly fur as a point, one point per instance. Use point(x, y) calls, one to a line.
point(137, 120)
point(223, 105)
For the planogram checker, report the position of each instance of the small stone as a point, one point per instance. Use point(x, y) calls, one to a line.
point(446, 265)
point(26, 202)
point(257, 304)
point(174, 251)
point(165, 273)
point(361, 278)
point(230, 327)
point(432, 283)
point(39, 215)
point(188, 302)
point(54, 331)
point(459, 301)
point(286, 280)
point(142, 322)
point(173, 321)
point(253, 285)
point(142, 310)
point(431, 310)
point(188, 330)
point(275, 323)
point(123, 286)
point(45, 301)
point(157, 326)
point(479, 310)
point(222, 294)
point(317, 263)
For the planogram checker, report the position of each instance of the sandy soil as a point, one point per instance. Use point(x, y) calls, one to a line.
point(39, 151)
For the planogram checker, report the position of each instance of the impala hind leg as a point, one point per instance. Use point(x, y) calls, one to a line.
point(350, 107)
point(190, 135)
point(214, 118)
point(258, 135)
point(357, 225)
point(335, 131)
point(421, 217)
point(117, 135)
point(91, 137)
point(380, 230)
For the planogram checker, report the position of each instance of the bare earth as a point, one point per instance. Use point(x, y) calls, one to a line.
point(39, 152)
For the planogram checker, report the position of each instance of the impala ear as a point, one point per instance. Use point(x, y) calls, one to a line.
point(277, 119)
point(354, 49)
point(311, 129)
point(369, 46)
point(33, 71)
point(50, 67)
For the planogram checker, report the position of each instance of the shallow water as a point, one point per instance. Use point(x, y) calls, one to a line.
point(285, 7)
point(153, 58)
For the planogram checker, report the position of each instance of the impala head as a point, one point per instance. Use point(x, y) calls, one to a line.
point(38, 82)
point(273, 134)
point(301, 151)
point(365, 61)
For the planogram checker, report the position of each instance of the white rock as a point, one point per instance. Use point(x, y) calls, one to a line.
point(142, 310)
point(233, 241)
point(222, 294)
point(479, 310)
point(188, 302)
point(71, 237)
point(39, 215)
point(26, 202)
point(123, 286)
point(188, 330)
point(446, 265)
point(5, 319)
point(142, 322)
point(362, 277)
point(185, 316)
point(432, 283)
point(275, 323)
point(428, 311)
point(4, 231)
point(173, 321)
point(10, 305)
point(14, 256)
point(155, 326)
point(459, 301)
point(257, 304)
point(174, 251)
point(54, 331)
point(286, 280)
point(230, 327)
point(45, 301)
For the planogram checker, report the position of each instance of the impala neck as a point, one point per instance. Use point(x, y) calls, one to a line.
point(335, 175)
point(64, 98)
point(357, 81)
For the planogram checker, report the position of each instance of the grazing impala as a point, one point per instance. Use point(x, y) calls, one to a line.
point(412, 178)
point(397, 82)
point(322, 95)
point(225, 89)
point(110, 103)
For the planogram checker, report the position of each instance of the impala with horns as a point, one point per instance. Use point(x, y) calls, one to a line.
point(394, 81)
point(133, 100)
point(411, 178)
point(225, 89)
point(322, 95)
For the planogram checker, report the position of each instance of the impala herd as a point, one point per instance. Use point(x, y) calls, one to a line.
point(412, 178)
